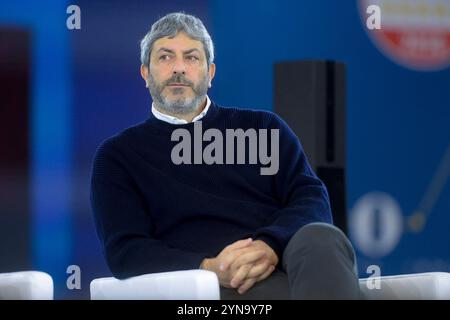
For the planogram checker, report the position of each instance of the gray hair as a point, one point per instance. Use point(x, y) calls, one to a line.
point(169, 26)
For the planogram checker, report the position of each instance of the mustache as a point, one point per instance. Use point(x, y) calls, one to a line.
point(178, 79)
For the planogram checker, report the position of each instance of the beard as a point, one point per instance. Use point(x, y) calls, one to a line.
point(182, 105)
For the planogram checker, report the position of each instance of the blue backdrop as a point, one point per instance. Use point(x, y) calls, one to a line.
point(86, 86)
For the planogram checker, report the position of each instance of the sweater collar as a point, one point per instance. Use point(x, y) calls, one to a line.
point(208, 117)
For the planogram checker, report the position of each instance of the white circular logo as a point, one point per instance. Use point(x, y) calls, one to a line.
point(415, 34)
point(376, 224)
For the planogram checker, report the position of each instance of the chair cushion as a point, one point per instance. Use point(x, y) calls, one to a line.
point(26, 285)
point(175, 285)
point(430, 285)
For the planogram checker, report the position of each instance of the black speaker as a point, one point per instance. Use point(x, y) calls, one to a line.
point(15, 220)
point(310, 97)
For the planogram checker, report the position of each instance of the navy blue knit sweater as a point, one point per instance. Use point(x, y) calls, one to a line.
point(152, 215)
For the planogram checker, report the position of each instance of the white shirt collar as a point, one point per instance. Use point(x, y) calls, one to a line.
point(174, 120)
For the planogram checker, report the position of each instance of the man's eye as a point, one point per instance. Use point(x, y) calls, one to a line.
point(192, 58)
point(164, 57)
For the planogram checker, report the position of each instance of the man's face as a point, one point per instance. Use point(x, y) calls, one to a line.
point(178, 74)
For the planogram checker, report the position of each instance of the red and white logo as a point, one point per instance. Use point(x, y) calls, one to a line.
point(413, 33)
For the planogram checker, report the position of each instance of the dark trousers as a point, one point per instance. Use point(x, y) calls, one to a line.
point(318, 263)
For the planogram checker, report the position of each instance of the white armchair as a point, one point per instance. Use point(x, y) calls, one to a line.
point(176, 285)
point(26, 285)
point(419, 286)
point(204, 285)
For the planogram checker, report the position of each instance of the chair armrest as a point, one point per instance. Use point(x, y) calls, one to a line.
point(175, 285)
point(26, 285)
point(429, 286)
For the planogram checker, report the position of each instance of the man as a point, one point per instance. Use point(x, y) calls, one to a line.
point(266, 234)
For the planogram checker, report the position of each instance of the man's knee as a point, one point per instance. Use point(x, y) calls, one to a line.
point(318, 238)
point(320, 263)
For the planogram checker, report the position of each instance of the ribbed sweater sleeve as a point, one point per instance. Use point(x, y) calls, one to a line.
point(124, 225)
point(304, 198)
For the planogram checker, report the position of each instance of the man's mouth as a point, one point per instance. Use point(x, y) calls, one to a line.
point(177, 85)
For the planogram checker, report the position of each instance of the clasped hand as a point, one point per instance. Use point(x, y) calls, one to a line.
point(242, 264)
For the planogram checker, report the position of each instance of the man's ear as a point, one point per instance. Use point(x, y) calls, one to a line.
point(211, 72)
point(144, 74)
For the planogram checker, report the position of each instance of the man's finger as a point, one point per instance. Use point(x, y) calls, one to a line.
point(251, 256)
point(250, 282)
point(266, 274)
point(246, 285)
point(240, 275)
point(229, 256)
point(259, 269)
point(239, 244)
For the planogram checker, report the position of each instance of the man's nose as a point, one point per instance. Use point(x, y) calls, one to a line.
point(179, 67)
